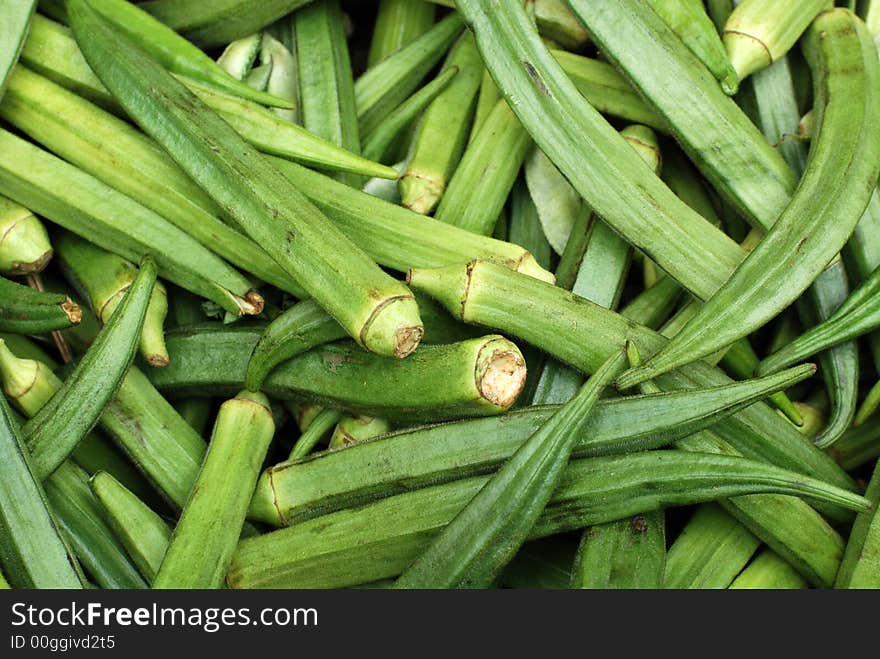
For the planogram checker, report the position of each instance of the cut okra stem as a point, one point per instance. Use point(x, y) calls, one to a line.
point(202, 543)
point(24, 310)
point(24, 243)
point(104, 279)
point(443, 131)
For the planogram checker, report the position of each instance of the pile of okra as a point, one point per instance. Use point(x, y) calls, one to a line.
point(450, 294)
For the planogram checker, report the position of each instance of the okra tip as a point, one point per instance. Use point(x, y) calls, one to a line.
point(394, 328)
point(747, 53)
point(500, 372)
point(72, 311)
point(529, 266)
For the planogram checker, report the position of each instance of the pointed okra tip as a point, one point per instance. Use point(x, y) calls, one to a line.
point(501, 371)
point(394, 329)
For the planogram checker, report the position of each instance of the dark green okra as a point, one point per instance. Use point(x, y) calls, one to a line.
point(768, 571)
point(376, 310)
point(24, 310)
point(54, 432)
point(209, 526)
point(473, 548)
point(316, 430)
point(843, 167)
point(292, 491)
point(24, 244)
point(710, 551)
point(326, 86)
point(328, 551)
point(220, 21)
point(477, 377)
point(398, 23)
point(443, 130)
point(104, 278)
point(141, 531)
point(32, 552)
point(383, 87)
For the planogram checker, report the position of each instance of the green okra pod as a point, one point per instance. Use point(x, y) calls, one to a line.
point(378, 141)
point(477, 377)
point(239, 56)
point(24, 310)
point(843, 168)
point(487, 99)
point(378, 311)
point(142, 532)
point(860, 567)
point(384, 86)
point(54, 432)
point(326, 85)
point(32, 552)
point(558, 204)
point(728, 149)
point(221, 21)
point(284, 77)
point(768, 571)
point(16, 19)
point(758, 33)
point(295, 490)
point(654, 305)
point(104, 279)
point(328, 551)
point(443, 130)
point(607, 90)
point(689, 20)
point(857, 447)
point(710, 552)
point(473, 548)
point(399, 238)
point(482, 181)
point(173, 51)
point(316, 430)
point(24, 243)
point(398, 23)
point(625, 554)
point(351, 430)
point(258, 77)
point(81, 518)
point(210, 524)
point(113, 221)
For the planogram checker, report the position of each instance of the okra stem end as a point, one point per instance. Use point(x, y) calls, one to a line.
point(394, 328)
point(501, 372)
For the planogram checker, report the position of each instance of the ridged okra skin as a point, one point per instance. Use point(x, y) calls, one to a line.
point(378, 311)
point(210, 524)
point(24, 310)
point(475, 377)
point(398, 23)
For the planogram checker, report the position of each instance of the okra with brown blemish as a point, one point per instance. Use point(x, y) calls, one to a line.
point(24, 243)
point(442, 132)
point(24, 310)
point(104, 278)
point(298, 489)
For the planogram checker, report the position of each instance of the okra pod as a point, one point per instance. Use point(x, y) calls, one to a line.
point(689, 20)
point(80, 517)
point(24, 310)
point(398, 23)
point(834, 191)
point(210, 524)
point(381, 88)
point(473, 548)
point(220, 21)
point(710, 552)
point(142, 532)
point(24, 243)
point(111, 220)
point(292, 491)
point(104, 279)
point(32, 552)
point(326, 85)
point(857, 447)
point(328, 551)
point(284, 77)
point(758, 33)
point(16, 19)
point(860, 567)
point(768, 571)
point(398, 238)
point(354, 429)
point(54, 432)
point(728, 149)
point(378, 141)
point(557, 202)
point(316, 430)
point(443, 130)
point(239, 56)
point(378, 311)
point(482, 181)
point(479, 377)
